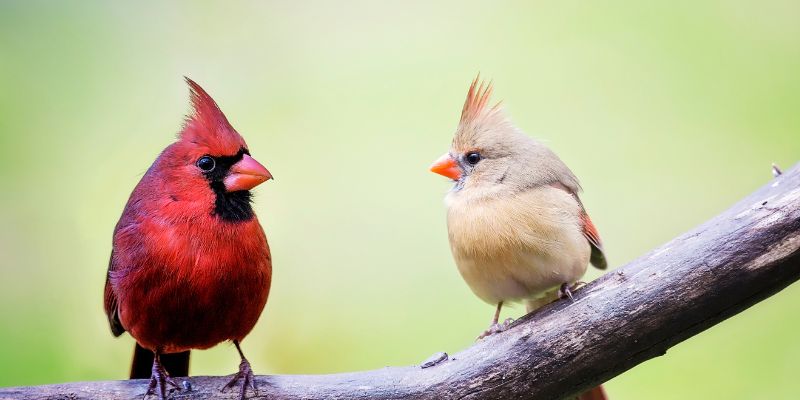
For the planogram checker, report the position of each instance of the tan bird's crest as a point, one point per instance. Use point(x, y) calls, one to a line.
point(475, 106)
point(478, 117)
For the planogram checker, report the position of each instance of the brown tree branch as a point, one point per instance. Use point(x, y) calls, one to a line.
point(626, 317)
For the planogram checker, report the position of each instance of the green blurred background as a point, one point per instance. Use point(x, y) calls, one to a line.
point(668, 112)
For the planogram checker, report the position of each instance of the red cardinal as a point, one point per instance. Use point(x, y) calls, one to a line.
point(517, 229)
point(190, 265)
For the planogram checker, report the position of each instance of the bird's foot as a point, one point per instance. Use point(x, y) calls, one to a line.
point(246, 373)
point(565, 291)
point(159, 380)
point(496, 328)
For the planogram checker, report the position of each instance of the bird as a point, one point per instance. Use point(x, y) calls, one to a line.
point(190, 266)
point(517, 229)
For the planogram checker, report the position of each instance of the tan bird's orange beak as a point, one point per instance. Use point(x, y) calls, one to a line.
point(246, 174)
point(447, 166)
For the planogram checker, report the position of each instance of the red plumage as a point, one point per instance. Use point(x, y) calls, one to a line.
point(190, 265)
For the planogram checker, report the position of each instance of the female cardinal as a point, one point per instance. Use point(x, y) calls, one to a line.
point(190, 265)
point(517, 229)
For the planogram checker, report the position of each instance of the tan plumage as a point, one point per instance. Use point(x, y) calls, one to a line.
point(518, 246)
point(517, 228)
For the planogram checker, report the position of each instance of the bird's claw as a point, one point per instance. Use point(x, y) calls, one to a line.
point(159, 380)
point(496, 328)
point(246, 373)
point(565, 291)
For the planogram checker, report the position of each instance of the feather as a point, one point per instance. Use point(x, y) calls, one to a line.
point(598, 258)
point(475, 105)
point(518, 246)
point(207, 125)
point(183, 274)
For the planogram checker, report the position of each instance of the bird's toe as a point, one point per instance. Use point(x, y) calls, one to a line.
point(246, 375)
point(495, 329)
point(564, 292)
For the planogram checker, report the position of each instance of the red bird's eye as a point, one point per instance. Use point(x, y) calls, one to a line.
point(206, 164)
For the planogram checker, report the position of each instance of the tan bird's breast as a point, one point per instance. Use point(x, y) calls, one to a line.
point(517, 247)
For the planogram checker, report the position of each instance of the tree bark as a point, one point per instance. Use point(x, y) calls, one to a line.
point(624, 318)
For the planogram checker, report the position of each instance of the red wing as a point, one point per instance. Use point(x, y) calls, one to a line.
point(598, 257)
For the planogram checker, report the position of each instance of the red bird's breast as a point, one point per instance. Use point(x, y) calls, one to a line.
point(182, 277)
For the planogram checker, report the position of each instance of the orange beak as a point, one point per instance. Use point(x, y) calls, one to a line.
point(447, 166)
point(245, 175)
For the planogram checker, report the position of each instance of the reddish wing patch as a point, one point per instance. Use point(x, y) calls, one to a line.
point(598, 257)
point(590, 231)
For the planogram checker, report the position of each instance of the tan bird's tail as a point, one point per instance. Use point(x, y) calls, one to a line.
point(596, 393)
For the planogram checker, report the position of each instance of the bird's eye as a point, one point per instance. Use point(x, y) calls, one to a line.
point(473, 157)
point(206, 163)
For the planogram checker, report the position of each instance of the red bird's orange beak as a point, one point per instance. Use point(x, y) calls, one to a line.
point(447, 166)
point(246, 174)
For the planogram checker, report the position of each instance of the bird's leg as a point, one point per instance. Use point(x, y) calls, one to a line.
point(159, 379)
point(497, 313)
point(245, 372)
point(496, 327)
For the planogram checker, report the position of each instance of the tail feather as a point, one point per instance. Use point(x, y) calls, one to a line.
point(596, 393)
point(176, 364)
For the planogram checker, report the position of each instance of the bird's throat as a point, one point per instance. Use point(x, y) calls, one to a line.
point(232, 206)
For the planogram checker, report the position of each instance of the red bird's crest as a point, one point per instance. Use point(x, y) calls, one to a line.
point(190, 265)
point(207, 125)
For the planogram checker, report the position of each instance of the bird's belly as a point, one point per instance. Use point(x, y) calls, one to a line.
point(517, 248)
point(197, 310)
point(519, 276)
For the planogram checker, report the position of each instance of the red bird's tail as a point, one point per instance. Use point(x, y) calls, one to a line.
point(595, 393)
point(176, 364)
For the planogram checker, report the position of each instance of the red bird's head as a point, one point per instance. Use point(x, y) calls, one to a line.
point(209, 167)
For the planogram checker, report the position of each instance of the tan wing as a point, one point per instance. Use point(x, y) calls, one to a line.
point(598, 257)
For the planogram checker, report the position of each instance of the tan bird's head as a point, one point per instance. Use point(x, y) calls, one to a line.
point(489, 155)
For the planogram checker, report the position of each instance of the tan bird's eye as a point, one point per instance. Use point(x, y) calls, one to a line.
point(473, 157)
